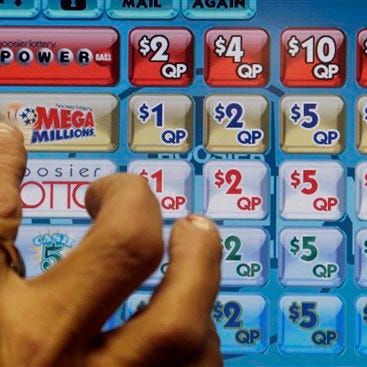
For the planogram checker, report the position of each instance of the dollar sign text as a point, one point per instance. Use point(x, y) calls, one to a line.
point(231, 49)
point(295, 248)
point(232, 177)
point(293, 46)
point(311, 185)
point(304, 314)
point(218, 311)
point(365, 313)
point(158, 44)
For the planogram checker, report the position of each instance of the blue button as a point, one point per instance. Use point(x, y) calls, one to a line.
point(361, 327)
point(361, 258)
point(73, 8)
point(241, 322)
point(219, 9)
point(245, 258)
point(142, 9)
point(135, 303)
point(311, 257)
point(311, 324)
point(19, 9)
point(116, 320)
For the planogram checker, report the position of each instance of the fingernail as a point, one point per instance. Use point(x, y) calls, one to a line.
point(201, 222)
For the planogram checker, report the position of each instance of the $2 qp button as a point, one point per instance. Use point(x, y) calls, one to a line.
point(161, 57)
point(235, 189)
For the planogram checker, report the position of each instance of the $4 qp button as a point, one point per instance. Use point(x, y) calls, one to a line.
point(161, 57)
point(237, 57)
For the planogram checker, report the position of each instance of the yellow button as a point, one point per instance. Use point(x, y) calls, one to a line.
point(362, 124)
point(236, 123)
point(160, 123)
point(63, 122)
point(312, 124)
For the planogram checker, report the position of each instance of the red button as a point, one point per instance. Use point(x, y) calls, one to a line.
point(59, 56)
point(161, 57)
point(313, 57)
point(236, 57)
point(362, 58)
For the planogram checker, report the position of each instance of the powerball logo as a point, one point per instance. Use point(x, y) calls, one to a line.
point(49, 124)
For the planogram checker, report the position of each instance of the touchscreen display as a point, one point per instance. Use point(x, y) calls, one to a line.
point(253, 113)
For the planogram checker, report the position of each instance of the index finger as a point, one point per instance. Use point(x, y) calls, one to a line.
point(13, 159)
point(123, 247)
point(176, 323)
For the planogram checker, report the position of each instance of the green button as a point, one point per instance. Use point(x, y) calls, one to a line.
point(73, 8)
point(219, 9)
point(142, 9)
point(19, 9)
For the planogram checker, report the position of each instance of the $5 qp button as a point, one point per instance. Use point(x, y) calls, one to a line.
point(312, 190)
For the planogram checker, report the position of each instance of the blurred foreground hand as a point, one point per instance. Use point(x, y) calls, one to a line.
point(55, 320)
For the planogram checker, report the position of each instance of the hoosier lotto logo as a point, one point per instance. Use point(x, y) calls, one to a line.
point(42, 124)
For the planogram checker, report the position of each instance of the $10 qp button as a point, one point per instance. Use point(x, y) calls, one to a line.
point(313, 57)
point(235, 189)
point(312, 190)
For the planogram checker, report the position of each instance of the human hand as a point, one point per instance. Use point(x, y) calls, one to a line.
point(56, 319)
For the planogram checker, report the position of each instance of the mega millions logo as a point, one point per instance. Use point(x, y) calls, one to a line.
point(29, 116)
point(50, 124)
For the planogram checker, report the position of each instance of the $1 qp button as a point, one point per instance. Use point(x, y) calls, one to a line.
point(171, 181)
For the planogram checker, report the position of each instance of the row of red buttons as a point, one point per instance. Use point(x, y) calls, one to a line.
point(238, 57)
